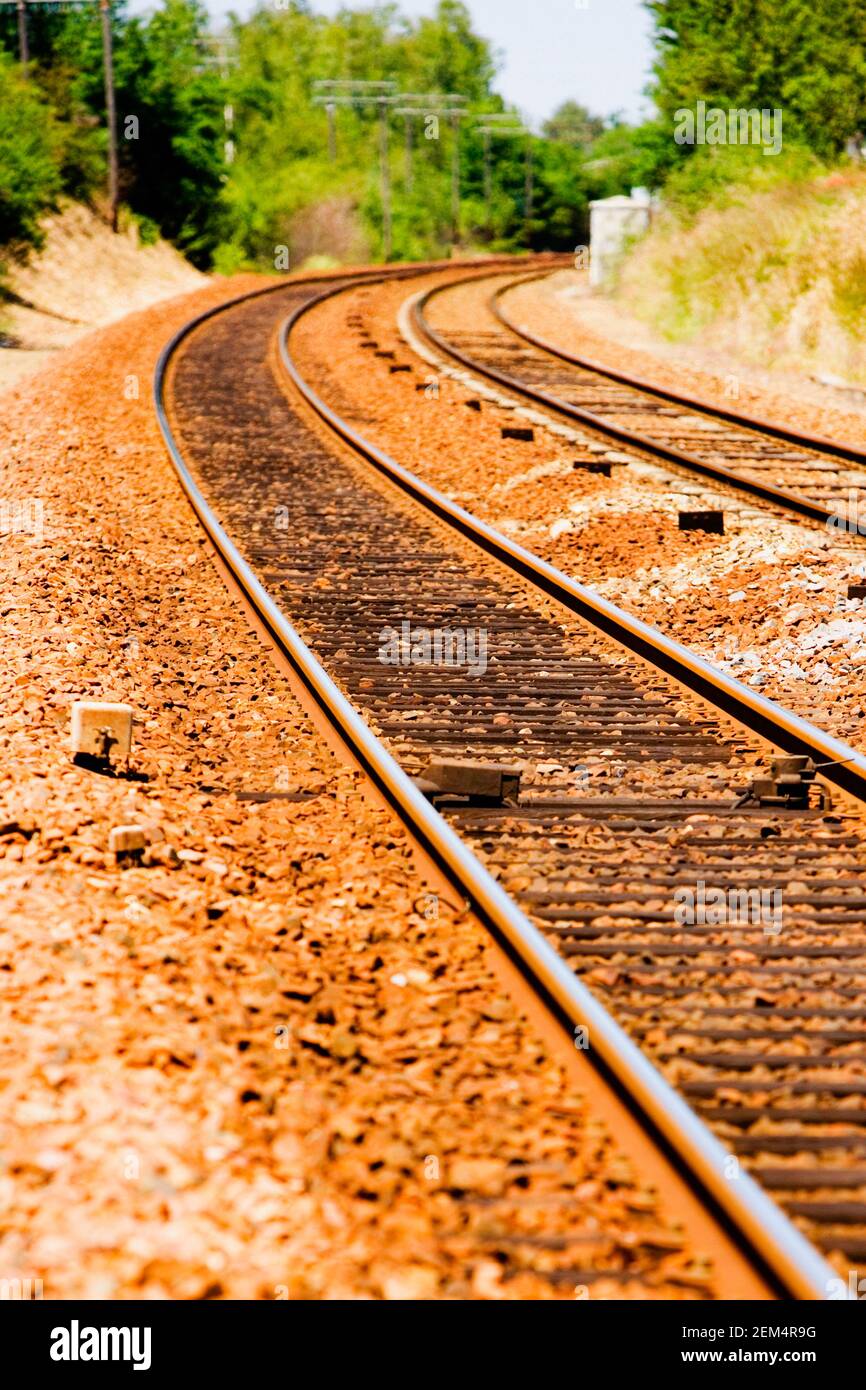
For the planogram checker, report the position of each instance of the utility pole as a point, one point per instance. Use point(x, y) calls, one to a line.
point(450, 105)
point(110, 113)
point(455, 178)
point(488, 180)
point(334, 92)
point(23, 46)
point(385, 171)
point(325, 94)
point(506, 124)
point(332, 132)
point(409, 170)
point(108, 66)
point(219, 53)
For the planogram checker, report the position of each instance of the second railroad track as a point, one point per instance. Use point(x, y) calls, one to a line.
point(802, 473)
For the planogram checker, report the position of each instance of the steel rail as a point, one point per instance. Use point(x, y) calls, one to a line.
point(783, 497)
point(777, 1243)
point(819, 442)
point(776, 1246)
point(840, 764)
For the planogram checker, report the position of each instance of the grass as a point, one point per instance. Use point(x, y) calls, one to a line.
point(776, 275)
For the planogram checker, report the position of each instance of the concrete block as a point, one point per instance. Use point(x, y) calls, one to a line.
point(612, 221)
point(127, 839)
point(101, 730)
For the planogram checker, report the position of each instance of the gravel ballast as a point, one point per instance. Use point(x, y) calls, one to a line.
point(255, 1059)
point(767, 601)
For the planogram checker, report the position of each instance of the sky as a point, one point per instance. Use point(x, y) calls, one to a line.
point(596, 51)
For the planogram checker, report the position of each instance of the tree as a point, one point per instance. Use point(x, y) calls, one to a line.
point(169, 109)
point(283, 189)
point(805, 57)
point(446, 55)
point(282, 172)
point(627, 156)
point(172, 148)
point(30, 147)
point(573, 124)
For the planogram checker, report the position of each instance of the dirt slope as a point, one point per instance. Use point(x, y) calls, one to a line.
point(84, 277)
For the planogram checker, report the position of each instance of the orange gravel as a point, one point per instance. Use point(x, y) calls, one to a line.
point(263, 1062)
point(766, 601)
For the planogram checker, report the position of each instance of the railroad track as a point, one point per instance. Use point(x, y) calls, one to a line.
point(630, 795)
point(798, 472)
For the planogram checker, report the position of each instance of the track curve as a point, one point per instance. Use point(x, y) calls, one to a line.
point(569, 696)
point(802, 474)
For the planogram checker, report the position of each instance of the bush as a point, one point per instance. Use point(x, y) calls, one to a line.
point(148, 231)
point(723, 175)
point(229, 259)
point(771, 272)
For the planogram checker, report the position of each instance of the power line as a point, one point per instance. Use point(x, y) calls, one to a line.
point(221, 54)
point(334, 92)
point(331, 93)
point(506, 125)
point(450, 105)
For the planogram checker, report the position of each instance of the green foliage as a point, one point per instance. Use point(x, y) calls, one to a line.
point(29, 157)
point(573, 124)
point(148, 231)
point(170, 116)
point(848, 281)
point(169, 113)
point(172, 167)
point(760, 248)
point(805, 57)
point(445, 55)
point(281, 189)
point(626, 156)
point(720, 176)
point(773, 272)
